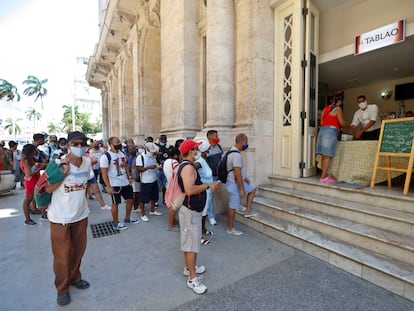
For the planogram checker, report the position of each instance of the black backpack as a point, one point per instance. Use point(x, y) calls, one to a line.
point(222, 171)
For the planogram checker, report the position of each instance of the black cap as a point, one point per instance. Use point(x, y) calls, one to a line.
point(76, 135)
point(163, 138)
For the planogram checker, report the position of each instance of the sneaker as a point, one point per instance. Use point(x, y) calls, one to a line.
point(44, 218)
point(196, 285)
point(144, 218)
point(198, 270)
point(234, 232)
point(104, 190)
point(155, 213)
point(29, 222)
point(91, 197)
point(156, 204)
point(120, 226)
point(138, 210)
point(242, 208)
point(132, 221)
point(106, 207)
point(327, 180)
point(212, 221)
point(35, 212)
point(251, 214)
point(63, 299)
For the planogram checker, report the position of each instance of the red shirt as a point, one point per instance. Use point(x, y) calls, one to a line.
point(328, 119)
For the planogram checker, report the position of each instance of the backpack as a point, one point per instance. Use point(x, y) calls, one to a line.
point(174, 196)
point(134, 171)
point(222, 171)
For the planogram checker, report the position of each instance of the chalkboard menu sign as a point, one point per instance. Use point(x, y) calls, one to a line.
point(397, 136)
point(396, 140)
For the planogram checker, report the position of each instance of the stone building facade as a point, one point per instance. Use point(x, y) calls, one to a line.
point(183, 67)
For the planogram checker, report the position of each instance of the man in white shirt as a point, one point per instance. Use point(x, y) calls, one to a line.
point(148, 168)
point(368, 117)
point(118, 183)
point(68, 215)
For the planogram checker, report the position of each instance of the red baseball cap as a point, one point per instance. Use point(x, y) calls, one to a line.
point(188, 144)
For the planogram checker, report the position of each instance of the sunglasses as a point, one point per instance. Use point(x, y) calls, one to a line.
point(78, 143)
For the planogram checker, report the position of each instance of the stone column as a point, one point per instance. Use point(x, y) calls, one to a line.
point(220, 63)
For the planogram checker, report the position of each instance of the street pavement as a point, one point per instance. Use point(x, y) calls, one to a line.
point(141, 269)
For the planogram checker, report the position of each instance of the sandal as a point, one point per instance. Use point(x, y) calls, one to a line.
point(204, 241)
point(208, 232)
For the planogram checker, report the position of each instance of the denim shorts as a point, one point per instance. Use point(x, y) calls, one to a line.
point(327, 140)
point(234, 194)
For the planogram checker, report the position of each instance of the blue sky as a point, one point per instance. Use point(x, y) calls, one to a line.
point(43, 38)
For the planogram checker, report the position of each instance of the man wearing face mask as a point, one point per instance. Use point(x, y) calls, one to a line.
point(190, 213)
point(214, 155)
point(68, 215)
point(148, 168)
point(238, 185)
point(367, 118)
point(118, 182)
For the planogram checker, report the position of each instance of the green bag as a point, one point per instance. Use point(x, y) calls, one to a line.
point(52, 175)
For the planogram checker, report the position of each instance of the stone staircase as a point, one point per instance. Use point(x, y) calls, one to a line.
point(367, 232)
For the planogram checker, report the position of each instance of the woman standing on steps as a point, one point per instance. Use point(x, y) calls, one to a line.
point(332, 119)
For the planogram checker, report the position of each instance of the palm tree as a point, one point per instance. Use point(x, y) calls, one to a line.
point(31, 113)
point(8, 126)
point(55, 127)
point(8, 91)
point(35, 87)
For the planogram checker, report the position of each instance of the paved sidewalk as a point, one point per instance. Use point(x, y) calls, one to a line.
point(141, 269)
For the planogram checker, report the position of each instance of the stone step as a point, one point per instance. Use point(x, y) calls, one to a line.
point(378, 240)
point(380, 217)
point(379, 196)
point(389, 273)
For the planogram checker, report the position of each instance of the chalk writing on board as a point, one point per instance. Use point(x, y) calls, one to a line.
point(397, 137)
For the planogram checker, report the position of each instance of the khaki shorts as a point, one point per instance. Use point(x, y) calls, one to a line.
point(190, 230)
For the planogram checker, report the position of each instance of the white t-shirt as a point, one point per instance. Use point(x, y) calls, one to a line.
point(149, 176)
point(235, 159)
point(364, 116)
point(117, 172)
point(69, 203)
point(168, 166)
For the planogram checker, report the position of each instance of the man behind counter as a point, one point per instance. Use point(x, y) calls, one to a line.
point(368, 117)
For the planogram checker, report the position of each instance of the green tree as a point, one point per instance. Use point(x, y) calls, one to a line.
point(8, 91)
point(35, 87)
point(32, 114)
point(82, 122)
point(8, 126)
point(55, 127)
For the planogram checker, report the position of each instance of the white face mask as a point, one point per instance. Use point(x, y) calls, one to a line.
point(363, 105)
point(197, 156)
point(78, 151)
point(141, 150)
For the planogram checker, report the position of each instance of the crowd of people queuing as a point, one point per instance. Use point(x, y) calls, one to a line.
point(137, 173)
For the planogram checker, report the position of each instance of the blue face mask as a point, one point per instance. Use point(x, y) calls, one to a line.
point(245, 147)
point(78, 151)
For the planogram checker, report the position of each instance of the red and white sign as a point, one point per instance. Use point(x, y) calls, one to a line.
point(380, 37)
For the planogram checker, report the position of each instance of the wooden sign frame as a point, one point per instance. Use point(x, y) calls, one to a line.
point(388, 166)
